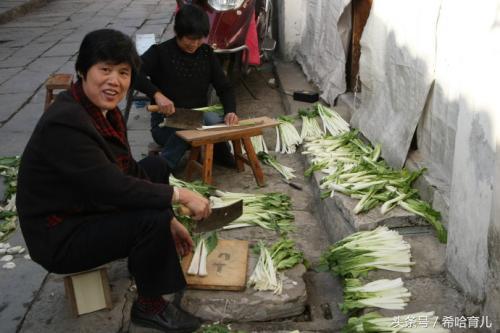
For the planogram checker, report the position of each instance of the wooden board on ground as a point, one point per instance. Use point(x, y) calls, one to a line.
point(194, 135)
point(226, 267)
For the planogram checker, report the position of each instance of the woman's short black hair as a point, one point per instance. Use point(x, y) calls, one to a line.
point(106, 45)
point(191, 21)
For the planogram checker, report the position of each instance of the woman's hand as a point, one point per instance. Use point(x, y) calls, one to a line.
point(166, 106)
point(197, 204)
point(183, 241)
point(231, 119)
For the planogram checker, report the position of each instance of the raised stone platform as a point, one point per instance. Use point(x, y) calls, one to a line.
point(250, 305)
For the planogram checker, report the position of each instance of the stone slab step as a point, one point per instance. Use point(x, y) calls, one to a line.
point(250, 305)
point(338, 210)
point(428, 255)
point(439, 296)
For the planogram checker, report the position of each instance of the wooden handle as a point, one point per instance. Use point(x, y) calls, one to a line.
point(153, 108)
point(183, 210)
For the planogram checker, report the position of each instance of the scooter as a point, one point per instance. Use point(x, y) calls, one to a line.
point(239, 27)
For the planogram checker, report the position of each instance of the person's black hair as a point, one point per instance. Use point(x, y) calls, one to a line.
point(191, 21)
point(106, 45)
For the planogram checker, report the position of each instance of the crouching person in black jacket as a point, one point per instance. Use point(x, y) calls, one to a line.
point(82, 199)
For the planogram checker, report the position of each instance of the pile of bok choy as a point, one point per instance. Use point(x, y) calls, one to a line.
point(310, 126)
point(265, 276)
point(385, 294)
point(287, 137)
point(196, 186)
point(280, 256)
point(353, 168)
point(363, 251)
point(421, 322)
point(269, 211)
point(333, 123)
point(285, 254)
point(259, 144)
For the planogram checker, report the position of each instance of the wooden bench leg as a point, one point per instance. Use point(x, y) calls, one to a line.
point(207, 163)
point(254, 162)
point(48, 98)
point(192, 162)
point(238, 155)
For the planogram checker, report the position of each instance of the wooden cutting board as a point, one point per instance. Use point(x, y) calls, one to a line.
point(196, 135)
point(226, 267)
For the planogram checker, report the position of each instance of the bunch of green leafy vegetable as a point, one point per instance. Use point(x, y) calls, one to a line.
point(196, 186)
point(287, 137)
point(310, 126)
point(353, 168)
point(363, 251)
point(373, 322)
point(269, 210)
point(285, 254)
point(385, 294)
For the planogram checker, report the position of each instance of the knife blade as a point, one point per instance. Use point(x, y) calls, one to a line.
point(219, 217)
point(182, 118)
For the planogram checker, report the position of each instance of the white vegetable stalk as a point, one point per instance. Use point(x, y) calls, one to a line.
point(363, 251)
point(259, 144)
point(332, 121)
point(385, 294)
point(198, 264)
point(287, 137)
point(310, 129)
point(205, 244)
point(374, 322)
point(269, 210)
point(264, 276)
point(202, 270)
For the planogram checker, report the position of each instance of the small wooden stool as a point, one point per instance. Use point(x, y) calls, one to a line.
point(241, 136)
point(88, 291)
point(58, 81)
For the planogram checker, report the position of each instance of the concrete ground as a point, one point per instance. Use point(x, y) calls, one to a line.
point(45, 41)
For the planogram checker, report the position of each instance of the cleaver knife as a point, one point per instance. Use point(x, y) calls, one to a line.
point(182, 118)
point(220, 216)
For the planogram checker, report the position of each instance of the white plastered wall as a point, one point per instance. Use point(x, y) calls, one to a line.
point(444, 53)
point(472, 184)
point(398, 50)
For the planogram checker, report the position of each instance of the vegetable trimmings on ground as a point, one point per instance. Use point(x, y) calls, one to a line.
point(285, 171)
point(9, 167)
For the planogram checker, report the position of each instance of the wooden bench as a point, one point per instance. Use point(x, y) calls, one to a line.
point(240, 137)
point(58, 81)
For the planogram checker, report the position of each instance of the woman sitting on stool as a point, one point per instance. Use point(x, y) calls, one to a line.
point(83, 200)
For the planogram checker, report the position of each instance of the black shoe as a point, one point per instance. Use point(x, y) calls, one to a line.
point(223, 156)
point(171, 319)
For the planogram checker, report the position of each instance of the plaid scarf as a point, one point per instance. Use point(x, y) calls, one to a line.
point(111, 127)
